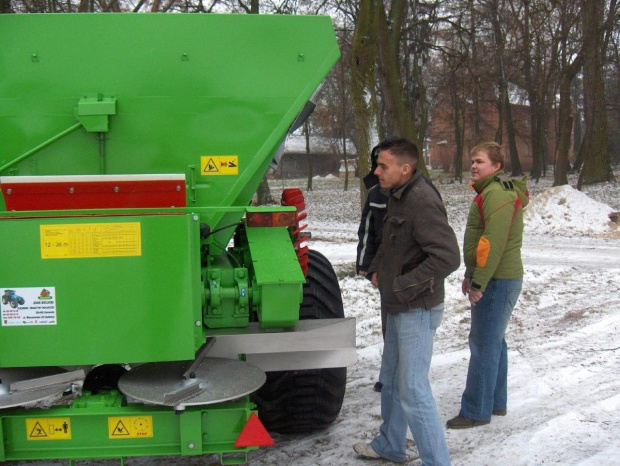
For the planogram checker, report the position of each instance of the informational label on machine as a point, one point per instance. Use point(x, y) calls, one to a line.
point(219, 165)
point(81, 240)
point(48, 428)
point(130, 427)
point(28, 306)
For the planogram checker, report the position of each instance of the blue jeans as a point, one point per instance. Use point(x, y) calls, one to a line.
point(486, 389)
point(406, 396)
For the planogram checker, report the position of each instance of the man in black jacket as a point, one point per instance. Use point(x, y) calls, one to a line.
point(369, 231)
point(418, 251)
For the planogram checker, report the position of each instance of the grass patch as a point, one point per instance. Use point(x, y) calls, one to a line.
point(574, 315)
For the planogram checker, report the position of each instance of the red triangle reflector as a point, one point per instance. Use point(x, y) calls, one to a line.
point(254, 434)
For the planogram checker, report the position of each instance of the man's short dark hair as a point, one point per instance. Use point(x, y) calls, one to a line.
point(403, 149)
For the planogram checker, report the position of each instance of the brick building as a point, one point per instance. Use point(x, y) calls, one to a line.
point(443, 146)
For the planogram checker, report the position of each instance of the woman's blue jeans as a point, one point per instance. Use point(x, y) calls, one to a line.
point(406, 396)
point(486, 389)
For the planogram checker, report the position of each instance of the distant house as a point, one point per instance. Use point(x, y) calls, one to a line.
point(326, 154)
point(443, 146)
point(349, 167)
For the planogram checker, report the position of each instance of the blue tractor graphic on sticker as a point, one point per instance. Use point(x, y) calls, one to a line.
point(11, 298)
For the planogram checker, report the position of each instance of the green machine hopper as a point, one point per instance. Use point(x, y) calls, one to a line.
point(138, 280)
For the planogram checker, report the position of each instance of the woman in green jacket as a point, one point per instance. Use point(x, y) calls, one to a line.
point(493, 280)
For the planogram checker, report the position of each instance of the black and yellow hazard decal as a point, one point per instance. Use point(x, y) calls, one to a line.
point(219, 165)
point(48, 428)
point(120, 427)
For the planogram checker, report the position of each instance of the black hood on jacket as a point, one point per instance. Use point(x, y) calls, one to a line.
point(371, 179)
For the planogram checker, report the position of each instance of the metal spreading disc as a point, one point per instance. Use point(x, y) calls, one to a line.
point(217, 380)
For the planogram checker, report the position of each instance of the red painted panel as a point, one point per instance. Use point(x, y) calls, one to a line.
point(67, 195)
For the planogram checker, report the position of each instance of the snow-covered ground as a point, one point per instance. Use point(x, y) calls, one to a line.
point(564, 338)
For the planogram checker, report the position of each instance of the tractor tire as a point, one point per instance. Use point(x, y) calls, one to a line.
point(293, 402)
point(4, 301)
point(13, 303)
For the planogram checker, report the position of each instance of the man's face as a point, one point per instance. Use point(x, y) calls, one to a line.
point(481, 166)
point(389, 172)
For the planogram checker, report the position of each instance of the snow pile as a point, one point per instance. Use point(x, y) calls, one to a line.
point(563, 210)
point(329, 176)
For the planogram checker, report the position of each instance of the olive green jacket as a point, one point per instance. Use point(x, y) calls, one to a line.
point(494, 231)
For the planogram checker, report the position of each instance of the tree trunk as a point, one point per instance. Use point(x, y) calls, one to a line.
point(362, 81)
point(309, 157)
point(263, 193)
point(515, 163)
point(537, 133)
point(499, 132)
point(535, 84)
point(398, 119)
point(475, 76)
point(565, 124)
point(343, 109)
point(565, 117)
point(459, 131)
point(596, 166)
point(578, 130)
point(505, 119)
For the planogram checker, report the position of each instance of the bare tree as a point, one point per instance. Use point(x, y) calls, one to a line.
point(596, 166)
point(377, 51)
point(613, 94)
point(398, 119)
point(363, 55)
point(306, 132)
point(475, 72)
point(569, 67)
point(534, 18)
point(505, 110)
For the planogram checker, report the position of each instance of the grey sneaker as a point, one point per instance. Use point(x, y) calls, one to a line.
point(365, 451)
point(460, 422)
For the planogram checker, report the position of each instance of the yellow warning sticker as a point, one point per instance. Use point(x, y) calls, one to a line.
point(130, 427)
point(48, 428)
point(90, 240)
point(219, 165)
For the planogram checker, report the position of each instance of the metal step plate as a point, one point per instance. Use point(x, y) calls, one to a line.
point(216, 380)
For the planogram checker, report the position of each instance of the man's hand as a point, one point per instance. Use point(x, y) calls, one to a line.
point(466, 285)
point(474, 296)
point(374, 280)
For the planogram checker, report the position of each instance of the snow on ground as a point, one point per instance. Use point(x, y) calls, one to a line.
point(563, 338)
